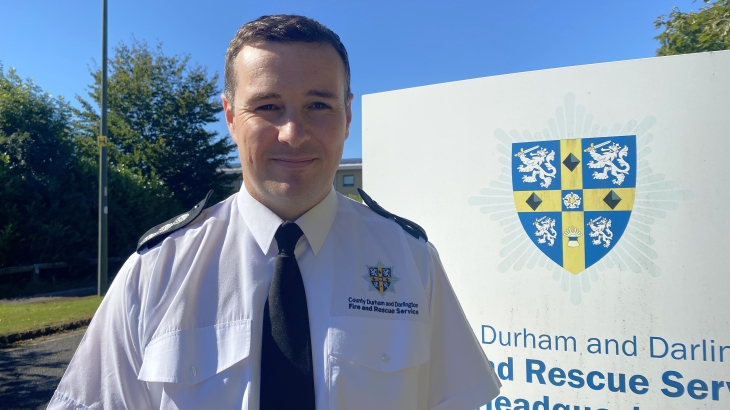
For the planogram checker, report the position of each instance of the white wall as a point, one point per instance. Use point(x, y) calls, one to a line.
point(441, 155)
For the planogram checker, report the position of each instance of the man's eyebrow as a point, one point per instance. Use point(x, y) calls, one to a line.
point(321, 94)
point(263, 96)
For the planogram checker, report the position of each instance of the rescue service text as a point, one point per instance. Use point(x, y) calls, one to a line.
point(674, 383)
point(394, 307)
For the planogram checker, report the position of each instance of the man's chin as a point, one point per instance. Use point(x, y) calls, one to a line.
point(293, 190)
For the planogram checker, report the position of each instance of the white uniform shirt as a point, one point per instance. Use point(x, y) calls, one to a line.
point(180, 327)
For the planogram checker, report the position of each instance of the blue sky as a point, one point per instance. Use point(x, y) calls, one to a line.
point(392, 44)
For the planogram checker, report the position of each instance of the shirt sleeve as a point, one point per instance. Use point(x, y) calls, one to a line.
point(103, 371)
point(461, 376)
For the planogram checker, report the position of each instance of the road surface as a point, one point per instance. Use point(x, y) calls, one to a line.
point(31, 370)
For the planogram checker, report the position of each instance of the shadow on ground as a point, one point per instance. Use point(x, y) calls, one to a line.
point(29, 373)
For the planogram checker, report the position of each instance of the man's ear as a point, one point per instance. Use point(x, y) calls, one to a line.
point(348, 109)
point(228, 111)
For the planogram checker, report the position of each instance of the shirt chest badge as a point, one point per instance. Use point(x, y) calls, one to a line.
point(381, 278)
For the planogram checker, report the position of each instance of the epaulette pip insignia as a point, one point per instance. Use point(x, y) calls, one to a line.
point(163, 230)
point(409, 226)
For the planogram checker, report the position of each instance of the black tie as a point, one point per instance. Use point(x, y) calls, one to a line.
point(287, 380)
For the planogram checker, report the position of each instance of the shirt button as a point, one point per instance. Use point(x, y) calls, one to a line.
point(385, 358)
point(193, 372)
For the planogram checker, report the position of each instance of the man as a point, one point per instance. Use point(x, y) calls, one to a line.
point(233, 307)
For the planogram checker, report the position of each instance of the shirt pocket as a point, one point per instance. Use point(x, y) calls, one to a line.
point(198, 368)
point(377, 363)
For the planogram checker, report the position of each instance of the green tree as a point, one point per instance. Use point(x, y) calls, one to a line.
point(41, 182)
point(159, 107)
point(706, 30)
point(49, 185)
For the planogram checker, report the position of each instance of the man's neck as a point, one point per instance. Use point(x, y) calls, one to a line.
point(287, 208)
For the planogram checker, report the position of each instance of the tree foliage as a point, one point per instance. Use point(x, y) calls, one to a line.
point(706, 30)
point(49, 185)
point(162, 157)
point(159, 107)
point(42, 184)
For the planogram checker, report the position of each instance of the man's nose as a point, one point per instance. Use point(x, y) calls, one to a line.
point(293, 131)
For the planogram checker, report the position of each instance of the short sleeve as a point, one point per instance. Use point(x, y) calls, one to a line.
point(103, 372)
point(461, 376)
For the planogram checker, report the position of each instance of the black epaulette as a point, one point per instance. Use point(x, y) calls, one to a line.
point(163, 230)
point(409, 226)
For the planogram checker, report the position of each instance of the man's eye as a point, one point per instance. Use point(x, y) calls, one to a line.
point(320, 106)
point(267, 107)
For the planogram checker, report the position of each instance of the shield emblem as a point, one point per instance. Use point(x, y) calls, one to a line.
point(381, 278)
point(574, 197)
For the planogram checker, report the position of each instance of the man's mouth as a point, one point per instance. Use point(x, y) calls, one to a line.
point(294, 163)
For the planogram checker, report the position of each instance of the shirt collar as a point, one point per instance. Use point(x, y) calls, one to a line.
point(263, 223)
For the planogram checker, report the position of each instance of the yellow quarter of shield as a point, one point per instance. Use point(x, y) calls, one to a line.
point(574, 258)
point(551, 201)
point(593, 199)
point(571, 179)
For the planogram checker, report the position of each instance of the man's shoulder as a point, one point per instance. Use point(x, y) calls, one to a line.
point(186, 223)
point(177, 246)
point(370, 209)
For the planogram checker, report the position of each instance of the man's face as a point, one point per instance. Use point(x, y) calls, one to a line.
point(290, 120)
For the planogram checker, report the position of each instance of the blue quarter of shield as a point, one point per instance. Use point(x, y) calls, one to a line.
point(537, 165)
point(603, 230)
point(607, 162)
point(545, 230)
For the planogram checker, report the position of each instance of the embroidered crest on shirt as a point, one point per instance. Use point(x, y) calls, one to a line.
point(381, 278)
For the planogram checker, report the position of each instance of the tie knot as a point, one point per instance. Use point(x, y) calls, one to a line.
point(287, 236)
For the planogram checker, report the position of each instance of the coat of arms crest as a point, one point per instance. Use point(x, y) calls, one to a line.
point(381, 278)
point(574, 197)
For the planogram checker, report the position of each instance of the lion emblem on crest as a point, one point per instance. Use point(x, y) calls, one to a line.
point(545, 230)
point(534, 165)
point(601, 231)
point(605, 159)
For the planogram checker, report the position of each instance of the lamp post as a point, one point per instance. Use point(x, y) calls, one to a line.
point(102, 264)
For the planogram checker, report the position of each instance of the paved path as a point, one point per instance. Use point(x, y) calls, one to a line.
point(30, 371)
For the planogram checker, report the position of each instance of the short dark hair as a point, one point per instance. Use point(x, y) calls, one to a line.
point(281, 28)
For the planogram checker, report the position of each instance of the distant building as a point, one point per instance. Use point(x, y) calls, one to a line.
point(349, 176)
point(347, 179)
point(233, 168)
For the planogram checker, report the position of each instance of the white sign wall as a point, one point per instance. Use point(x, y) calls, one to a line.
point(619, 302)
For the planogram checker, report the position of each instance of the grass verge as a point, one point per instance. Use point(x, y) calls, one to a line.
point(22, 287)
point(24, 317)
